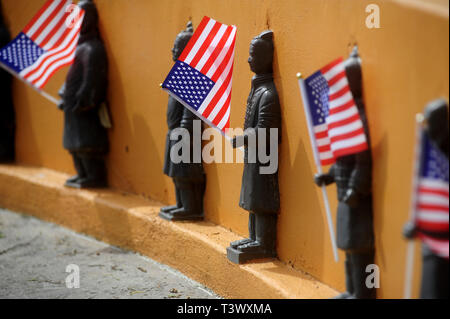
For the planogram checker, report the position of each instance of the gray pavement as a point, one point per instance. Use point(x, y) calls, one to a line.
point(35, 255)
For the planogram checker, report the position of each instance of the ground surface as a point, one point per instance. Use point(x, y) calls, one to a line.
point(34, 256)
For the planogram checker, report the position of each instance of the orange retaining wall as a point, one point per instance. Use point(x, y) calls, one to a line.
point(405, 65)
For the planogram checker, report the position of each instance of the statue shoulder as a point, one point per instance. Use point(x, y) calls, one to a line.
point(270, 94)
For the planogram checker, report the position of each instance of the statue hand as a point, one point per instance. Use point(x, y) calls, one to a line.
point(409, 230)
point(323, 179)
point(61, 105)
point(351, 198)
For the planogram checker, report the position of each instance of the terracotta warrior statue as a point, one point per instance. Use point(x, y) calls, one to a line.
point(7, 117)
point(259, 191)
point(189, 178)
point(353, 177)
point(434, 267)
point(83, 94)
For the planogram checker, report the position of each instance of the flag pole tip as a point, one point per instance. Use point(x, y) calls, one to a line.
point(420, 118)
point(160, 85)
point(299, 75)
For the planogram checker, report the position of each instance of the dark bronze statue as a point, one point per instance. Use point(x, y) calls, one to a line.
point(83, 94)
point(353, 177)
point(434, 268)
point(259, 192)
point(189, 178)
point(7, 117)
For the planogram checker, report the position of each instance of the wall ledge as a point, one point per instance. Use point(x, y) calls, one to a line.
point(196, 249)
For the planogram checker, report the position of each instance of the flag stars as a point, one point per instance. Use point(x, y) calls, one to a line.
point(193, 87)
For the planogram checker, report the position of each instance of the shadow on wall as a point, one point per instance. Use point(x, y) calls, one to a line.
point(293, 186)
point(25, 133)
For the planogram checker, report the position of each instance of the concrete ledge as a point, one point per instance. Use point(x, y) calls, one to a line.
point(196, 249)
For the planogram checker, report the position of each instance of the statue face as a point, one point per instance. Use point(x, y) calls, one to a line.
point(257, 59)
point(90, 18)
point(436, 116)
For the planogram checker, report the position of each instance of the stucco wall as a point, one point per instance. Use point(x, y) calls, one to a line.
point(405, 64)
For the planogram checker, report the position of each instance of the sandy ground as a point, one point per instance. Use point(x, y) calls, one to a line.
point(35, 255)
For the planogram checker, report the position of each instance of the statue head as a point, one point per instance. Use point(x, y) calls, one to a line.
point(182, 40)
point(436, 119)
point(90, 21)
point(354, 74)
point(261, 53)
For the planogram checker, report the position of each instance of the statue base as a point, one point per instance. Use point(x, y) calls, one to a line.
point(239, 257)
point(175, 217)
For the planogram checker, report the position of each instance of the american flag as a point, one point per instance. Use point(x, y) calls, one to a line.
point(201, 78)
point(337, 125)
point(45, 45)
point(432, 197)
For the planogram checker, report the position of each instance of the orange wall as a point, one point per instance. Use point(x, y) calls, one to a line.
point(405, 64)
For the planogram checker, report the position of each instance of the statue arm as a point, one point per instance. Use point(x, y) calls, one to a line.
point(269, 116)
point(325, 179)
point(187, 119)
point(86, 93)
point(361, 177)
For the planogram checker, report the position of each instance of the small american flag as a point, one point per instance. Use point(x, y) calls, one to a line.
point(337, 125)
point(201, 78)
point(45, 45)
point(432, 196)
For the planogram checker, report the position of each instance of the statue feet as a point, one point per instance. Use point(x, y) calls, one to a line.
point(85, 182)
point(180, 214)
point(249, 250)
point(237, 243)
point(167, 209)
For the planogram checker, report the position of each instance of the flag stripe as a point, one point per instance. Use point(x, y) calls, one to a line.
point(40, 17)
point(225, 63)
point(220, 104)
point(44, 27)
point(194, 38)
point(205, 45)
point(218, 95)
point(220, 46)
point(350, 150)
point(216, 88)
point(348, 135)
point(56, 33)
point(344, 107)
point(53, 59)
point(440, 247)
point(331, 66)
point(229, 45)
point(30, 72)
point(197, 45)
point(217, 38)
point(55, 67)
point(224, 113)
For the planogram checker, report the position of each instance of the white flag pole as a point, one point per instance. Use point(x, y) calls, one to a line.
point(301, 83)
point(409, 269)
point(44, 94)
